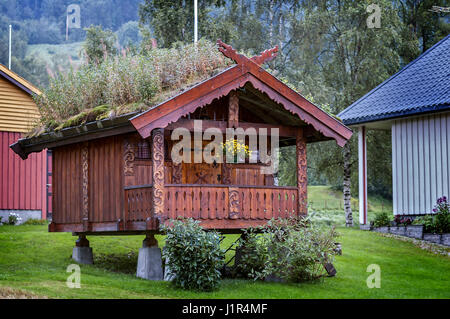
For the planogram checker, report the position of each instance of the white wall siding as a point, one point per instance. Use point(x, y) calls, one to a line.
point(420, 163)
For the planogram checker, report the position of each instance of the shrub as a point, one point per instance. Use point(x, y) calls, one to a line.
point(35, 221)
point(381, 220)
point(296, 250)
point(252, 246)
point(13, 219)
point(402, 220)
point(440, 222)
point(194, 255)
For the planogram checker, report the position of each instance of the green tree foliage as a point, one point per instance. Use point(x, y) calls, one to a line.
point(99, 44)
point(422, 23)
point(173, 20)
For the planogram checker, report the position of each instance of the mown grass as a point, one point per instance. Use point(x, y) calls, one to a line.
point(33, 261)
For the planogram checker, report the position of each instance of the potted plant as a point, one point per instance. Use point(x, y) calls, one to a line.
point(235, 151)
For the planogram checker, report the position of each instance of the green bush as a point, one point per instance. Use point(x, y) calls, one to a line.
point(194, 255)
point(438, 223)
point(381, 220)
point(252, 246)
point(35, 221)
point(294, 250)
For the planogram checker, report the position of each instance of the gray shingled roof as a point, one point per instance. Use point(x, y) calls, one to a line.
point(421, 86)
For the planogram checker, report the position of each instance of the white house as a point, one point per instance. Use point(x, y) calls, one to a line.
point(415, 105)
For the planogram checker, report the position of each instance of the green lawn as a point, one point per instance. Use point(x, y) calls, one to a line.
point(35, 261)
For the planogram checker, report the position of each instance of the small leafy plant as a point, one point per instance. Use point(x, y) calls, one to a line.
point(253, 250)
point(194, 256)
point(381, 220)
point(400, 220)
point(13, 219)
point(440, 221)
point(292, 249)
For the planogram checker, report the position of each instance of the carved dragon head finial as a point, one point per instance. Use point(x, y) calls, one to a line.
point(231, 53)
point(228, 51)
point(265, 56)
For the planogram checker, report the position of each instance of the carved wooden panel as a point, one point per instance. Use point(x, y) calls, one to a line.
point(128, 157)
point(302, 176)
point(85, 184)
point(226, 173)
point(233, 109)
point(158, 171)
point(177, 173)
point(234, 203)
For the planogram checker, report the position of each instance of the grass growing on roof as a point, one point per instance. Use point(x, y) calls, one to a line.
point(34, 262)
point(127, 82)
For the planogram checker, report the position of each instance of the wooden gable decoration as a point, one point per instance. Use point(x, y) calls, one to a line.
point(246, 70)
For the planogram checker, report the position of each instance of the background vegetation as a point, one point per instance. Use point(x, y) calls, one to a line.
point(326, 51)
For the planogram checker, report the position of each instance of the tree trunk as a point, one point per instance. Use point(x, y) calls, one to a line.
point(347, 193)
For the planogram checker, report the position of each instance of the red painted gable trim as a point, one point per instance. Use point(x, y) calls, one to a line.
point(220, 85)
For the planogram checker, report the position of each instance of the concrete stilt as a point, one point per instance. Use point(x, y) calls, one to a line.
point(82, 253)
point(149, 260)
point(168, 275)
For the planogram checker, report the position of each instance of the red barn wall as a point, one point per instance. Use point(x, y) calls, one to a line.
point(23, 182)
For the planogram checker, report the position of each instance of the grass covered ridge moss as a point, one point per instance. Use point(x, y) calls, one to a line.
point(125, 83)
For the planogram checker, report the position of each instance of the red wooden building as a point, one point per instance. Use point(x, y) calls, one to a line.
point(23, 183)
point(117, 176)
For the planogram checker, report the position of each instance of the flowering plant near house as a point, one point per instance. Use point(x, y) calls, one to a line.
point(235, 148)
point(13, 219)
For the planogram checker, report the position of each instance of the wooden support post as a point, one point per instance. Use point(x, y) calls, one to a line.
point(233, 109)
point(362, 174)
point(302, 176)
point(82, 241)
point(158, 172)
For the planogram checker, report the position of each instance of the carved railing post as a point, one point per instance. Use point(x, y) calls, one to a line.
point(233, 203)
point(302, 176)
point(85, 184)
point(158, 172)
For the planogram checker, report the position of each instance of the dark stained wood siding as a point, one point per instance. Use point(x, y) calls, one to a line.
point(105, 187)
point(66, 176)
point(105, 179)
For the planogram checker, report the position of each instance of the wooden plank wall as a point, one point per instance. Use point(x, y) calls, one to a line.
point(22, 182)
point(106, 179)
point(105, 186)
point(66, 176)
point(18, 112)
point(420, 163)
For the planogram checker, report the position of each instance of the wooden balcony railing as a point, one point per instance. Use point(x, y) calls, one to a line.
point(214, 202)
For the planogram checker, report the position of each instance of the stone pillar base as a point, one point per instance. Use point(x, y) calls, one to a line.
point(83, 255)
point(149, 260)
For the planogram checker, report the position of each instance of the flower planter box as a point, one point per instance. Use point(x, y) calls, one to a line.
point(398, 230)
point(382, 229)
point(414, 231)
point(434, 238)
point(445, 239)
